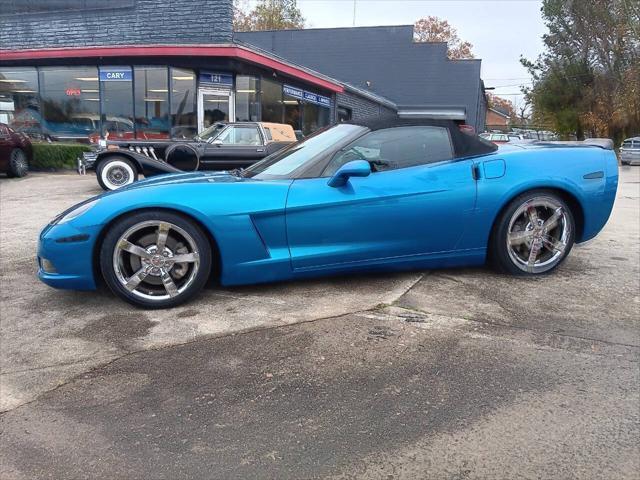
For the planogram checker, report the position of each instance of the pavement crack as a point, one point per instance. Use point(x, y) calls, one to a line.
point(44, 367)
point(408, 289)
point(525, 329)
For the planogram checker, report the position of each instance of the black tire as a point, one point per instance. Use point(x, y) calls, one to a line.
point(144, 291)
point(116, 171)
point(512, 243)
point(18, 165)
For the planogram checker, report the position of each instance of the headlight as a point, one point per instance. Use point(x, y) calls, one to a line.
point(73, 212)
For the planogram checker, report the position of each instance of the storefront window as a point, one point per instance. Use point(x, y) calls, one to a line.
point(272, 106)
point(117, 102)
point(183, 103)
point(324, 117)
point(311, 112)
point(151, 104)
point(246, 99)
point(344, 114)
point(70, 102)
point(19, 105)
point(292, 112)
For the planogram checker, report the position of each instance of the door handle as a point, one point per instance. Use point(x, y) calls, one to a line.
point(475, 171)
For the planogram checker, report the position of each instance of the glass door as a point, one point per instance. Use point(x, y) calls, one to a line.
point(214, 105)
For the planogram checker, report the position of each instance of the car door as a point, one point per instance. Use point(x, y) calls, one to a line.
point(416, 203)
point(235, 145)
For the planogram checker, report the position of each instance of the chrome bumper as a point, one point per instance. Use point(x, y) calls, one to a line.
point(86, 161)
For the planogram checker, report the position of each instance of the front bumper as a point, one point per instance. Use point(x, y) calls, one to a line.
point(86, 162)
point(65, 257)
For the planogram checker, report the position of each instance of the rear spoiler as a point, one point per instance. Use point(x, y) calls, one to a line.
point(604, 143)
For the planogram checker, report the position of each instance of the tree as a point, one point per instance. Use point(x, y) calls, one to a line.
point(587, 81)
point(503, 105)
point(433, 29)
point(267, 15)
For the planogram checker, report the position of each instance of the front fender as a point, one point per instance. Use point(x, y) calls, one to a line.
point(146, 165)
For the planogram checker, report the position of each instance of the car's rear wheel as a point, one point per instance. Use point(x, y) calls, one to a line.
point(116, 172)
point(155, 259)
point(18, 165)
point(533, 235)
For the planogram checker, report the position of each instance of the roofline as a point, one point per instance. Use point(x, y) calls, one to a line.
point(371, 96)
point(498, 112)
point(325, 28)
point(232, 50)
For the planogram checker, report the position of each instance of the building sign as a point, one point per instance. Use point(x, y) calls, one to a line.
point(307, 96)
point(324, 101)
point(115, 75)
point(293, 91)
point(215, 79)
point(73, 92)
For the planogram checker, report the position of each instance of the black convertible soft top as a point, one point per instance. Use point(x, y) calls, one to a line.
point(464, 144)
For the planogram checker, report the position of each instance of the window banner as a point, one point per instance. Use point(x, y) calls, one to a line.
point(307, 96)
point(293, 91)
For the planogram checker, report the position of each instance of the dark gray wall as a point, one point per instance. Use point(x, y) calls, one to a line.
point(76, 23)
point(397, 68)
point(361, 107)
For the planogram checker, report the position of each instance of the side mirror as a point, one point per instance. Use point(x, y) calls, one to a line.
point(356, 168)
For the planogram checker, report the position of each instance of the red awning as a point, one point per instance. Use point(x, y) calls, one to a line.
point(229, 51)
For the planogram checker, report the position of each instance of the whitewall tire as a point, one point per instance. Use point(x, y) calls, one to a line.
point(116, 172)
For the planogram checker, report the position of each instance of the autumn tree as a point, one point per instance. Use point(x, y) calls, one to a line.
point(587, 82)
point(433, 29)
point(267, 15)
point(503, 105)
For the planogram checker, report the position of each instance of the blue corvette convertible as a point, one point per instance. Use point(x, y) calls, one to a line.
point(395, 194)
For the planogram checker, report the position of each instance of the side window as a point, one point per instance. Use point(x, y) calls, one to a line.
point(3, 131)
point(394, 148)
point(267, 133)
point(240, 135)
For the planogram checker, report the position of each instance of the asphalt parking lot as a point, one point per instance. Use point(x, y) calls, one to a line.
point(451, 374)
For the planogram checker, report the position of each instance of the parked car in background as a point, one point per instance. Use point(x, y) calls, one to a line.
point(500, 138)
point(496, 138)
point(30, 122)
point(221, 146)
point(15, 152)
point(630, 151)
point(383, 195)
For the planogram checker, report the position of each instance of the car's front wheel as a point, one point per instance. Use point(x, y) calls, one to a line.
point(18, 165)
point(533, 235)
point(116, 172)
point(155, 259)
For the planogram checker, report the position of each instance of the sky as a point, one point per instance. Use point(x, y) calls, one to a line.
point(500, 30)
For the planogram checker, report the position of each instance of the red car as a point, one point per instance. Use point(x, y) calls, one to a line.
point(15, 152)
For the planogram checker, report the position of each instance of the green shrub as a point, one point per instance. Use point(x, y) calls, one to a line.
point(56, 156)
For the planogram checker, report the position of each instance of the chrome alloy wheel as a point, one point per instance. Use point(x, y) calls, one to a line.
point(156, 260)
point(539, 232)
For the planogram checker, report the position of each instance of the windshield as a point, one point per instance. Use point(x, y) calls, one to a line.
point(284, 162)
point(210, 132)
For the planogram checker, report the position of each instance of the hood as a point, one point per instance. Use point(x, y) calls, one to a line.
point(181, 178)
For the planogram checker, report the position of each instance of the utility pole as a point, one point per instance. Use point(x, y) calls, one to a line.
point(354, 13)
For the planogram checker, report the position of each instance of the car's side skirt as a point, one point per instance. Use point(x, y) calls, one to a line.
point(280, 270)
